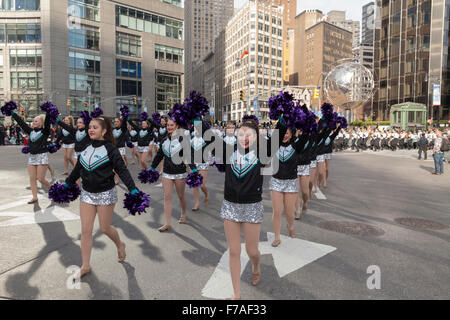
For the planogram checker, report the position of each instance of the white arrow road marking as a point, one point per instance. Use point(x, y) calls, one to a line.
point(291, 255)
point(319, 195)
point(53, 214)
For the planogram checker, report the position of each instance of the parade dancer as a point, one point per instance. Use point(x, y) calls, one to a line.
point(68, 144)
point(199, 145)
point(79, 134)
point(145, 136)
point(174, 175)
point(120, 133)
point(37, 147)
point(134, 140)
point(326, 152)
point(161, 133)
point(97, 166)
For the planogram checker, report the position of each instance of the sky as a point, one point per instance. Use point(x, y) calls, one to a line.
point(353, 8)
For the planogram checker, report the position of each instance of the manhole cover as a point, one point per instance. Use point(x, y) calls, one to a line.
point(351, 228)
point(421, 223)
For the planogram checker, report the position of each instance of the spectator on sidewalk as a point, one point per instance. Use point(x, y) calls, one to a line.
point(2, 134)
point(446, 147)
point(423, 146)
point(438, 154)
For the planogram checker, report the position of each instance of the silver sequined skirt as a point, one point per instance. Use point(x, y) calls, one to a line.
point(327, 156)
point(202, 166)
point(68, 146)
point(303, 170)
point(122, 151)
point(38, 159)
point(239, 212)
point(285, 186)
point(106, 198)
point(313, 164)
point(135, 144)
point(174, 176)
point(321, 158)
point(143, 149)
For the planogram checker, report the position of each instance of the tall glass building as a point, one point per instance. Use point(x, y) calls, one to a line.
point(100, 52)
point(412, 55)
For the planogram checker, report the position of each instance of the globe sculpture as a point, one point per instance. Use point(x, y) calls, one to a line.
point(349, 85)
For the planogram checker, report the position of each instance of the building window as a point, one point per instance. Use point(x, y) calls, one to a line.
point(26, 58)
point(20, 32)
point(128, 45)
point(169, 54)
point(1, 81)
point(81, 82)
point(31, 80)
point(1, 58)
point(84, 62)
point(20, 5)
point(85, 9)
point(168, 90)
point(177, 3)
point(127, 68)
point(128, 88)
point(86, 38)
point(149, 22)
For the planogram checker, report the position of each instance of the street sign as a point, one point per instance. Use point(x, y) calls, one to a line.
point(225, 117)
point(255, 104)
point(436, 94)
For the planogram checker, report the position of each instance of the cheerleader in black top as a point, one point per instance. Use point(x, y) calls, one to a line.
point(303, 173)
point(38, 158)
point(199, 145)
point(284, 184)
point(160, 134)
point(242, 205)
point(173, 174)
point(79, 134)
point(326, 148)
point(68, 144)
point(133, 134)
point(96, 166)
point(120, 133)
point(145, 136)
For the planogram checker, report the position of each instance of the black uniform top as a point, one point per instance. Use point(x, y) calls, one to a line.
point(82, 139)
point(318, 142)
point(288, 155)
point(134, 136)
point(145, 136)
point(172, 146)
point(243, 178)
point(38, 137)
point(64, 135)
point(327, 147)
point(198, 144)
point(121, 134)
point(304, 156)
point(95, 167)
point(162, 133)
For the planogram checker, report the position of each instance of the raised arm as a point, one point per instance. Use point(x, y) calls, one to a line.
point(25, 127)
point(65, 126)
point(134, 125)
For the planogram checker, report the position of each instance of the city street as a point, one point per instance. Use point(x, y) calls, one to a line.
point(356, 225)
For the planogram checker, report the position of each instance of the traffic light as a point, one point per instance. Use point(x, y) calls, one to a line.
point(316, 93)
point(86, 107)
point(241, 96)
point(22, 111)
point(68, 102)
point(134, 101)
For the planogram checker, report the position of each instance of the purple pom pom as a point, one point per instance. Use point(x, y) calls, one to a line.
point(136, 203)
point(343, 122)
point(194, 180)
point(96, 113)
point(181, 115)
point(51, 110)
point(220, 167)
point(196, 106)
point(125, 112)
point(148, 176)
point(86, 117)
point(53, 148)
point(283, 105)
point(25, 150)
point(144, 116)
point(61, 194)
point(156, 118)
point(130, 145)
point(250, 117)
point(8, 107)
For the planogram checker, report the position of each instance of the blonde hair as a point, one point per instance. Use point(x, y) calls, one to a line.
point(42, 118)
point(70, 120)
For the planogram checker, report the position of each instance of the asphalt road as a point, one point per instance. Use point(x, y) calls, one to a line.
point(367, 192)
